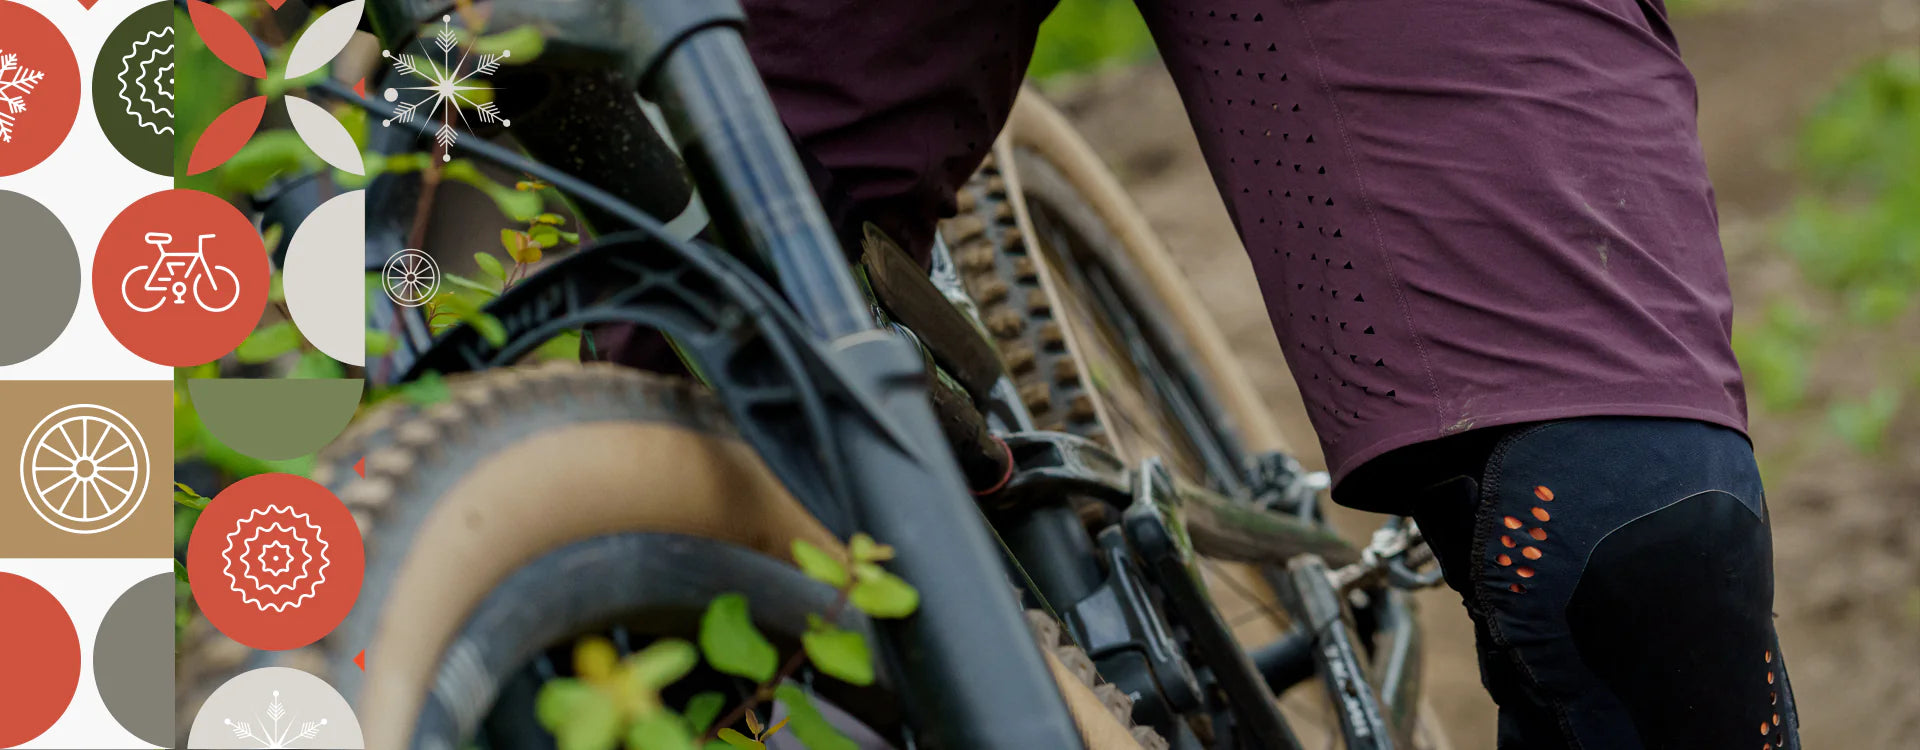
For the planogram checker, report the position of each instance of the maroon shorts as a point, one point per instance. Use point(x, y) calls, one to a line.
point(1462, 213)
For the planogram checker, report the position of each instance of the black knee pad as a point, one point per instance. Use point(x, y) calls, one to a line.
point(1673, 612)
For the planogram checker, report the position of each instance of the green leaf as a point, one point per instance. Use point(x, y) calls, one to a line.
point(268, 343)
point(580, 717)
point(738, 740)
point(554, 219)
point(818, 564)
point(664, 662)
point(546, 235)
point(811, 728)
point(1864, 423)
point(882, 594)
point(462, 281)
point(517, 205)
point(564, 348)
point(315, 364)
point(840, 653)
point(490, 265)
point(187, 500)
point(732, 644)
point(865, 549)
point(661, 731)
point(524, 42)
point(427, 390)
point(702, 709)
point(595, 657)
point(380, 343)
point(179, 571)
point(469, 312)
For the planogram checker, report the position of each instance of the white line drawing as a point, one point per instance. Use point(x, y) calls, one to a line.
point(445, 91)
point(16, 82)
point(274, 735)
point(159, 80)
point(411, 278)
point(181, 270)
point(84, 468)
point(281, 540)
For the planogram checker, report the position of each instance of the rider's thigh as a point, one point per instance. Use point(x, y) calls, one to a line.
point(898, 101)
point(1621, 572)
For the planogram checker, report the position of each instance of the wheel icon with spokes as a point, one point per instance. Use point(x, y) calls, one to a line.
point(411, 278)
point(84, 468)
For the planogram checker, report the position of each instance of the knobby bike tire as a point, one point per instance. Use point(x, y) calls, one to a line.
point(473, 498)
point(1004, 267)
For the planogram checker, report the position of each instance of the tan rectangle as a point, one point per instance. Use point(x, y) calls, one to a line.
point(88, 469)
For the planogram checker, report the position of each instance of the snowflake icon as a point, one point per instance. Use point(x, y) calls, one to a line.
point(446, 92)
point(16, 82)
point(270, 733)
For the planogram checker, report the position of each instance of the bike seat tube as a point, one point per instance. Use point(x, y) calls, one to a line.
point(733, 142)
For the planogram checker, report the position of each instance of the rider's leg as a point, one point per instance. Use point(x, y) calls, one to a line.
point(892, 104)
point(898, 101)
point(1619, 575)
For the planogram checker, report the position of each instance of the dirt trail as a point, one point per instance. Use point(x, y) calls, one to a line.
point(1845, 534)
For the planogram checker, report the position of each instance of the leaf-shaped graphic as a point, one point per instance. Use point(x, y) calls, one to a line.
point(324, 39)
point(324, 277)
point(325, 135)
point(226, 134)
point(228, 41)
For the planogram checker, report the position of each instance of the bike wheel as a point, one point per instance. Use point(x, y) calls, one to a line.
point(128, 298)
point(1105, 339)
point(644, 506)
point(1054, 253)
point(233, 283)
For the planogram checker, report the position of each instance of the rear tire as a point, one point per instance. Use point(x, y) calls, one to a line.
point(1013, 276)
point(536, 505)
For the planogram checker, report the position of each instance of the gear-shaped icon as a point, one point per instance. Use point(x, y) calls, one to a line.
point(276, 558)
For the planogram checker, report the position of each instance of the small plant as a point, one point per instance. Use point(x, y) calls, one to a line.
point(614, 702)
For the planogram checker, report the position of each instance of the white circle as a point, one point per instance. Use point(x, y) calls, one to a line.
point(51, 461)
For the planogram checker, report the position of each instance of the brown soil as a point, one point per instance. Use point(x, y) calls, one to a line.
point(1846, 557)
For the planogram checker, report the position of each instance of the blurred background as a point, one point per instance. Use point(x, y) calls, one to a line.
point(1810, 115)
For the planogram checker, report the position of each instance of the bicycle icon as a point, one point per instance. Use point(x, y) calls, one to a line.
point(176, 272)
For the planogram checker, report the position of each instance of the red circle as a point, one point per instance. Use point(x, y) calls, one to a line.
point(180, 311)
point(275, 562)
point(41, 656)
point(41, 60)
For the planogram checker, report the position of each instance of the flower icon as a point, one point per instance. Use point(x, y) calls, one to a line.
point(234, 46)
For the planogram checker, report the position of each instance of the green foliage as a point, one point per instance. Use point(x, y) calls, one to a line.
point(819, 565)
point(731, 643)
point(1855, 235)
point(1084, 35)
point(840, 653)
point(631, 688)
point(809, 725)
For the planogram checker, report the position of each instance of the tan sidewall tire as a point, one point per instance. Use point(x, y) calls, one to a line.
point(1037, 126)
point(522, 462)
point(516, 464)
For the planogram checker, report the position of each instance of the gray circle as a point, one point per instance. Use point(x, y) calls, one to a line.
point(40, 285)
point(133, 660)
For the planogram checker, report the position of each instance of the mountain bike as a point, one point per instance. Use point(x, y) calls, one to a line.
point(1044, 424)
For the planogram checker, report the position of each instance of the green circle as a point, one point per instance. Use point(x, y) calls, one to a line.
point(133, 88)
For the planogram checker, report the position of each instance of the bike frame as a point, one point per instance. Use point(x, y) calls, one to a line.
point(195, 257)
point(809, 381)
